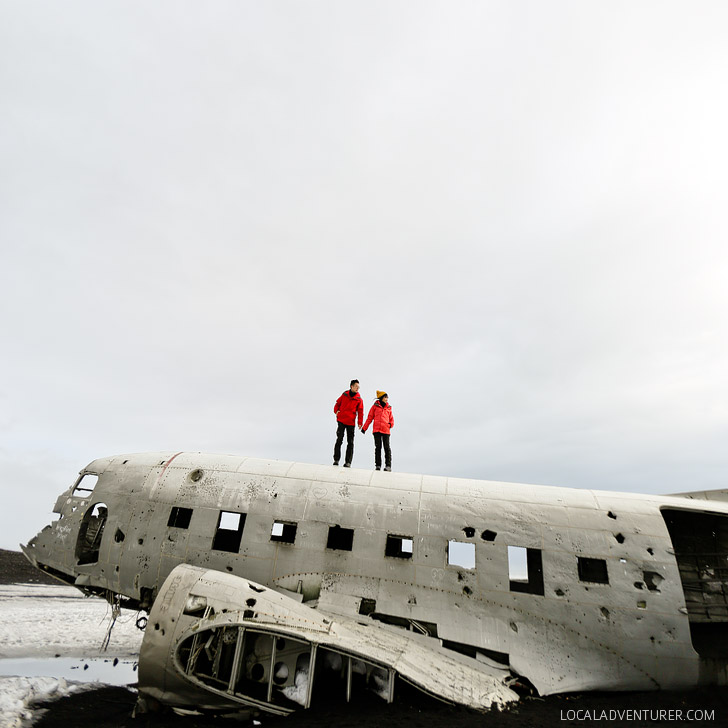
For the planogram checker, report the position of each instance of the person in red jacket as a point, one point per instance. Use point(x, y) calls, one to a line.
point(347, 408)
point(381, 415)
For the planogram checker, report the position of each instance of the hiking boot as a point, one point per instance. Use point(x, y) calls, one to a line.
point(388, 467)
point(347, 465)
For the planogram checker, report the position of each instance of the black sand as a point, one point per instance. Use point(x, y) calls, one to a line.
point(16, 569)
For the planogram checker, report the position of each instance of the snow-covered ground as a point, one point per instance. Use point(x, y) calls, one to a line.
point(44, 621)
point(38, 621)
point(17, 694)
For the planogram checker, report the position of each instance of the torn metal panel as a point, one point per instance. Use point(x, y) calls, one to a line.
point(216, 640)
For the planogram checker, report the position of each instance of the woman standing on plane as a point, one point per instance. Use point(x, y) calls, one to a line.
point(381, 414)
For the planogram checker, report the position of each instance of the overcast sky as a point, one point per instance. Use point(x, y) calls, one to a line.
point(510, 216)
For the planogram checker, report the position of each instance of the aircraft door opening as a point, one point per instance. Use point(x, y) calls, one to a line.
point(90, 534)
point(700, 542)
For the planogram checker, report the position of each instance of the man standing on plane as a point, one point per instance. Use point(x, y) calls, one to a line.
point(346, 409)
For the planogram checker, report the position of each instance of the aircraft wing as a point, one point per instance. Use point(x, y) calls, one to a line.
point(716, 495)
point(215, 640)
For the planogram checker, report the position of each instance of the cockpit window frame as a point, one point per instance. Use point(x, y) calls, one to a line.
point(77, 491)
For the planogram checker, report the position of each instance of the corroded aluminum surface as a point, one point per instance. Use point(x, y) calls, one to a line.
point(233, 601)
point(630, 631)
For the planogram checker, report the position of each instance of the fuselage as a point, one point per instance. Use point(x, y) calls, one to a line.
point(573, 589)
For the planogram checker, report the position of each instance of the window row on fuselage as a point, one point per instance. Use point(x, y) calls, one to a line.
point(525, 565)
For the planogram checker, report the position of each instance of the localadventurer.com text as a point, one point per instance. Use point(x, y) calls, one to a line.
point(644, 714)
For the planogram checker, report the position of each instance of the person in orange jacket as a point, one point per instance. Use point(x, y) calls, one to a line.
point(381, 415)
point(347, 409)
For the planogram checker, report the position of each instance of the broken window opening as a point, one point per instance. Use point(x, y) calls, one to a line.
point(229, 532)
point(461, 554)
point(400, 547)
point(367, 606)
point(525, 570)
point(90, 533)
point(488, 535)
point(337, 675)
point(85, 485)
point(517, 563)
point(179, 517)
point(210, 657)
point(277, 670)
point(341, 539)
point(593, 570)
point(700, 543)
point(283, 532)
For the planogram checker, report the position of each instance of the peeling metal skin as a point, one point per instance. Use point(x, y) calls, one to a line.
point(617, 591)
point(224, 642)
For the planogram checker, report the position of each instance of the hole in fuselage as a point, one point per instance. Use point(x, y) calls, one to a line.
point(90, 533)
point(700, 542)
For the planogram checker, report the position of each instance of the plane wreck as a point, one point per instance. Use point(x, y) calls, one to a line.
point(269, 584)
point(220, 640)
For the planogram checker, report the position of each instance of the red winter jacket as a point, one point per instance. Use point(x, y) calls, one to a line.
point(382, 416)
point(347, 408)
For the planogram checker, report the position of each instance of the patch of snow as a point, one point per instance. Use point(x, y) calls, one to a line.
point(298, 692)
point(39, 620)
point(18, 694)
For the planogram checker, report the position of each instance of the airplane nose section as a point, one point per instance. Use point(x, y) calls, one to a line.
point(28, 553)
point(43, 552)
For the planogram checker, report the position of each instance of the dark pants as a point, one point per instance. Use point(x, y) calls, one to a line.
point(381, 439)
point(340, 428)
